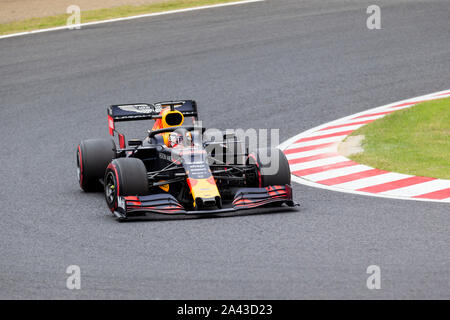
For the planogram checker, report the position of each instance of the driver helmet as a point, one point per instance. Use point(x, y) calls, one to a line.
point(175, 139)
point(180, 138)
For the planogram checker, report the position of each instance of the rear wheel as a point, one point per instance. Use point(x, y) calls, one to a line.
point(272, 167)
point(93, 156)
point(125, 177)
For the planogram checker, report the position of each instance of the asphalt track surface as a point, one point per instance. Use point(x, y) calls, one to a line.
point(278, 64)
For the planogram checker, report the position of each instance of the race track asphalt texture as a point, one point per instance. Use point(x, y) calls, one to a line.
point(281, 64)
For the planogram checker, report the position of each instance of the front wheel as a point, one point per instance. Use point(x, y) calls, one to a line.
point(272, 167)
point(124, 177)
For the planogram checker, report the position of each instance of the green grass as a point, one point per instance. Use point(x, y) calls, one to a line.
point(102, 14)
point(413, 141)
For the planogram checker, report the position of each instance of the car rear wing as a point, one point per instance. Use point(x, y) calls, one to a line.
point(146, 111)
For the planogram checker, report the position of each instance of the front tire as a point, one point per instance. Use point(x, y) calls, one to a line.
point(93, 156)
point(275, 172)
point(124, 177)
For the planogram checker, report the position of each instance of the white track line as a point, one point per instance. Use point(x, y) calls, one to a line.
point(364, 119)
point(404, 193)
point(130, 18)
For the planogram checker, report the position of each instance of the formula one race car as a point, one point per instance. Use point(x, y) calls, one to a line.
point(174, 171)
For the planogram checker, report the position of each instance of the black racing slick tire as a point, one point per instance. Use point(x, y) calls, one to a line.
point(274, 171)
point(93, 156)
point(125, 177)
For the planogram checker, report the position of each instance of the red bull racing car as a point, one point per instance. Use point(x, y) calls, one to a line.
point(177, 169)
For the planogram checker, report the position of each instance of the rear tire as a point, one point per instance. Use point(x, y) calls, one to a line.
point(125, 177)
point(93, 156)
point(274, 173)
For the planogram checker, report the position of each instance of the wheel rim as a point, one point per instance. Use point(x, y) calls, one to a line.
point(110, 188)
